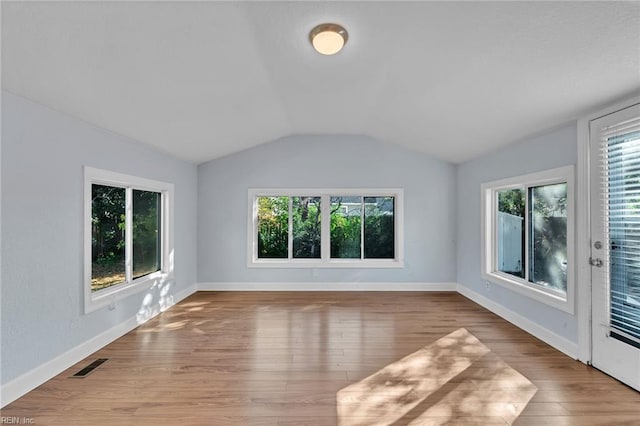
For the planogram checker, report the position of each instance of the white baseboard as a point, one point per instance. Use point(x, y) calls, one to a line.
point(327, 286)
point(549, 337)
point(34, 378)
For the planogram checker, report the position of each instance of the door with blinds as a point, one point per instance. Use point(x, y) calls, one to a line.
point(615, 244)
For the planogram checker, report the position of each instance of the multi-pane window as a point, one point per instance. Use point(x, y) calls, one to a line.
point(127, 233)
point(324, 228)
point(528, 234)
point(537, 214)
point(118, 232)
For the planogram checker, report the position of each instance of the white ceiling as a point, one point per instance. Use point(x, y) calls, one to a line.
point(205, 79)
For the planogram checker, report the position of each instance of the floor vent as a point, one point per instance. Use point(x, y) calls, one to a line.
point(89, 368)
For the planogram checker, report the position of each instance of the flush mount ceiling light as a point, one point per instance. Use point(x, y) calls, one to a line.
point(328, 39)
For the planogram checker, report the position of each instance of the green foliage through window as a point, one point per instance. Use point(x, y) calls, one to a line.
point(346, 227)
point(546, 222)
point(360, 227)
point(548, 236)
point(379, 229)
point(306, 227)
point(146, 226)
point(512, 201)
point(273, 227)
point(109, 234)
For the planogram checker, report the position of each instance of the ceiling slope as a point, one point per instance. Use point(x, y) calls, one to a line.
point(201, 80)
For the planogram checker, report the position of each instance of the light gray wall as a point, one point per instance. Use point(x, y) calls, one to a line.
point(327, 162)
point(42, 229)
point(553, 149)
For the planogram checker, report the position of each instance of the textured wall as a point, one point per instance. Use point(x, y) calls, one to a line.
point(43, 153)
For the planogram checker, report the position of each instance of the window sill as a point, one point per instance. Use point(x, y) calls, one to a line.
point(106, 297)
point(530, 290)
point(334, 263)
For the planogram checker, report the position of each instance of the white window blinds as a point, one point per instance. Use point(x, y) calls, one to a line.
point(620, 160)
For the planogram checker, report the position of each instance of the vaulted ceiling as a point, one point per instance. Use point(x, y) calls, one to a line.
point(201, 80)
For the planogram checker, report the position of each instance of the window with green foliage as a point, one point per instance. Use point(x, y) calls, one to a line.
point(379, 228)
point(108, 207)
point(362, 227)
point(548, 236)
point(306, 223)
point(528, 234)
point(126, 233)
point(274, 227)
point(109, 232)
point(346, 227)
point(146, 228)
point(319, 228)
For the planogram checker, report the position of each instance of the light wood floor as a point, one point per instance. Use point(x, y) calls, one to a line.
point(330, 358)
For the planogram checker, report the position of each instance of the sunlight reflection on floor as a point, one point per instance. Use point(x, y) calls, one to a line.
point(434, 385)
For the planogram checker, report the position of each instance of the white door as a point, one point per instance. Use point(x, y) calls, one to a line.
point(615, 244)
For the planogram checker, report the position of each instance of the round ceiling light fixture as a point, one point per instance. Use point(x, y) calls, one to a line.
point(328, 39)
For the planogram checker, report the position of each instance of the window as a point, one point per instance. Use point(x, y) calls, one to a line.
point(362, 227)
point(528, 235)
point(325, 228)
point(128, 238)
point(273, 227)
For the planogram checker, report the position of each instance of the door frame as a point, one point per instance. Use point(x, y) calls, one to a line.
point(583, 224)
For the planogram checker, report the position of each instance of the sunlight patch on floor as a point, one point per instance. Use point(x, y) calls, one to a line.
point(433, 385)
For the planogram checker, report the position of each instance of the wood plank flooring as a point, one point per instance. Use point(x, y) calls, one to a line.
point(330, 358)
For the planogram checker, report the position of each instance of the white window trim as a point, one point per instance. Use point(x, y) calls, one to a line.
point(108, 296)
point(489, 249)
point(325, 262)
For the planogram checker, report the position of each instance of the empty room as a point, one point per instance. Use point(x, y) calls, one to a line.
point(320, 213)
